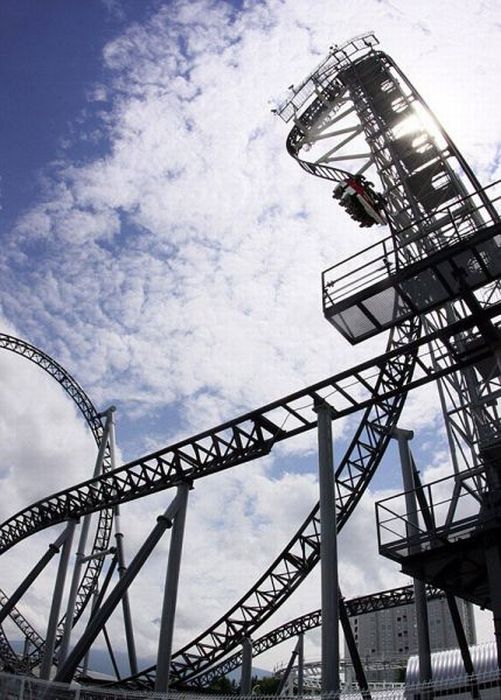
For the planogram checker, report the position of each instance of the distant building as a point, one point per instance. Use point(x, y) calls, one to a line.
point(386, 638)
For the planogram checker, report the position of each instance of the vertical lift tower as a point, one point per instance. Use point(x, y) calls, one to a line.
point(359, 122)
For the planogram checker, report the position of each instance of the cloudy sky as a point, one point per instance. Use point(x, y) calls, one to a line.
point(158, 242)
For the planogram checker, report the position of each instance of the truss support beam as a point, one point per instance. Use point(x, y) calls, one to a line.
point(246, 672)
point(52, 550)
point(403, 438)
point(170, 593)
point(328, 552)
point(66, 671)
point(50, 640)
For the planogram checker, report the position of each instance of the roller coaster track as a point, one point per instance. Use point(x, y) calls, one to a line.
point(405, 208)
point(105, 519)
point(378, 386)
point(352, 476)
point(374, 383)
point(384, 600)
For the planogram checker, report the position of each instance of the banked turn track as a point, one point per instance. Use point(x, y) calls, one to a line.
point(384, 600)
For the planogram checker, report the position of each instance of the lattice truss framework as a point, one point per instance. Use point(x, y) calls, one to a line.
point(359, 113)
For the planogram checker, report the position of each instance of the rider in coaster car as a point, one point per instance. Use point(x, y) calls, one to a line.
point(361, 201)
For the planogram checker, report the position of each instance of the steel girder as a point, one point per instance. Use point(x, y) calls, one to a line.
point(384, 600)
point(105, 519)
point(353, 475)
point(373, 383)
point(302, 553)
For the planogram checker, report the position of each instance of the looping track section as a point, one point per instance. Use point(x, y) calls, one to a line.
point(105, 520)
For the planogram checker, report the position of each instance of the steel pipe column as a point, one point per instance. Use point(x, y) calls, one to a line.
point(246, 672)
point(170, 593)
point(122, 568)
point(82, 543)
point(50, 640)
point(353, 651)
point(300, 664)
point(403, 438)
point(328, 552)
point(463, 644)
point(52, 550)
point(101, 616)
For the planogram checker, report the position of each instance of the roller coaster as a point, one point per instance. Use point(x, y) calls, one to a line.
point(433, 283)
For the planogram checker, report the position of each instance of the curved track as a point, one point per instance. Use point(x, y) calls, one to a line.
point(254, 434)
point(384, 600)
point(406, 205)
point(105, 520)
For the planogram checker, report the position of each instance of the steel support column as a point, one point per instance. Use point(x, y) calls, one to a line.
point(95, 605)
point(328, 552)
point(491, 457)
point(82, 543)
point(122, 568)
point(50, 639)
point(463, 643)
point(101, 616)
point(246, 672)
point(170, 593)
point(26, 648)
point(286, 675)
point(403, 438)
point(300, 664)
point(493, 563)
point(353, 651)
point(52, 550)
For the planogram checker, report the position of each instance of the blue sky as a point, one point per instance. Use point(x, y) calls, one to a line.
point(158, 241)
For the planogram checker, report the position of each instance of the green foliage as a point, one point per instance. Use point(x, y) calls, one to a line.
point(223, 686)
point(266, 686)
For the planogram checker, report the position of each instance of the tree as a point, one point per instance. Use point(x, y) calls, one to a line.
point(268, 685)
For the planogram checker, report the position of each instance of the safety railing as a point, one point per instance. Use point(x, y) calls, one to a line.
point(447, 226)
point(337, 59)
point(21, 688)
point(444, 511)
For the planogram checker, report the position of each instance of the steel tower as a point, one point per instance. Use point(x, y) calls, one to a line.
point(357, 115)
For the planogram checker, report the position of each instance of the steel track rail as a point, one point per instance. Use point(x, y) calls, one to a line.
point(247, 437)
point(392, 598)
point(400, 206)
point(302, 553)
point(105, 520)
